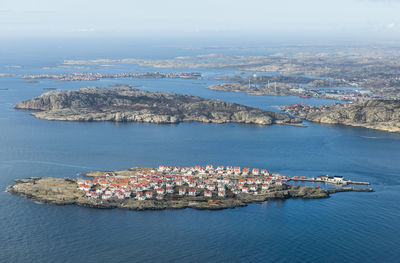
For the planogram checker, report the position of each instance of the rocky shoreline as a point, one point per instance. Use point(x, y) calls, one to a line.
point(58, 191)
point(127, 104)
point(381, 115)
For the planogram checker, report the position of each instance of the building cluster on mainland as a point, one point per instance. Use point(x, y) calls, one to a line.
point(303, 109)
point(88, 76)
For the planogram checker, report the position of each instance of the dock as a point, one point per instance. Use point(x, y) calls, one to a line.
point(349, 189)
point(316, 180)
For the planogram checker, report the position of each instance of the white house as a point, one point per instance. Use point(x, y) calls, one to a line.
point(120, 195)
point(180, 182)
point(169, 189)
point(253, 187)
point(237, 170)
point(209, 167)
point(140, 196)
point(106, 196)
point(211, 187)
point(192, 192)
point(149, 194)
point(245, 171)
point(182, 191)
point(160, 191)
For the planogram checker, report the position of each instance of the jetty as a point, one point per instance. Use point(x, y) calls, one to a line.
point(328, 180)
point(349, 189)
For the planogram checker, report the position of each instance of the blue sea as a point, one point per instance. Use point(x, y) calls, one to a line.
point(348, 227)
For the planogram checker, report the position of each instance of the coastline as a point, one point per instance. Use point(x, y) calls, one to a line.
point(132, 105)
point(54, 196)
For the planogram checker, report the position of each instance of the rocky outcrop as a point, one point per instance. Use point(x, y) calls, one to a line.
point(58, 191)
point(127, 104)
point(48, 190)
point(374, 114)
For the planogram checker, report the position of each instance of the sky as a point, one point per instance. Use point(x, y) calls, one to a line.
point(367, 18)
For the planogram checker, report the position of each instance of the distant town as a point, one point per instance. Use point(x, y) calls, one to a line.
point(304, 87)
point(88, 76)
point(300, 110)
point(365, 69)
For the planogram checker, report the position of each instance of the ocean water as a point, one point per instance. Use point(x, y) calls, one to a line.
point(348, 227)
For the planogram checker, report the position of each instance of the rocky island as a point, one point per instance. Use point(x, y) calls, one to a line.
point(374, 114)
point(171, 188)
point(127, 104)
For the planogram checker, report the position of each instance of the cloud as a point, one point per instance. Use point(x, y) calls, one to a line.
point(381, 1)
point(391, 25)
point(81, 30)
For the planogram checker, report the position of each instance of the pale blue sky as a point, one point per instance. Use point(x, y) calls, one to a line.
point(59, 17)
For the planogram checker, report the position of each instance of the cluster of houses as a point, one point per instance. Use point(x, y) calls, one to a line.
point(86, 76)
point(181, 182)
point(301, 109)
point(210, 170)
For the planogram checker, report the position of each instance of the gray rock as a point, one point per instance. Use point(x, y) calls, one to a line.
point(374, 114)
point(126, 104)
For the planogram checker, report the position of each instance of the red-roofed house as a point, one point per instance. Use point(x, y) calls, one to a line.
point(182, 191)
point(192, 192)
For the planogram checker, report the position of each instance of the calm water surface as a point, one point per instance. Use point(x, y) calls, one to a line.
point(348, 227)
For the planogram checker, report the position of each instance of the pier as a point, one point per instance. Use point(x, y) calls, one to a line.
point(349, 189)
point(328, 180)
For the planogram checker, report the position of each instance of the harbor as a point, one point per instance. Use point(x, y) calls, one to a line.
point(338, 180)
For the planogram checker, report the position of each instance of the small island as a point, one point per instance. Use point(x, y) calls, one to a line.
point(175, 187)
point(373, 114)
point(126, 104)
point(6, 75)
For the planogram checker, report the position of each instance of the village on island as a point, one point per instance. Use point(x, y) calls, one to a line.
point(222, 182)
